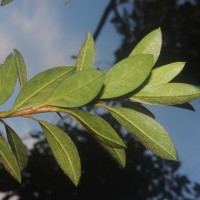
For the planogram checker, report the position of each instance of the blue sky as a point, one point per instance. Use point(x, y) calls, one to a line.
point(48, 33)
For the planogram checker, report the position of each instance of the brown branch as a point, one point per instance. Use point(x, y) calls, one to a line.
point(30, 111)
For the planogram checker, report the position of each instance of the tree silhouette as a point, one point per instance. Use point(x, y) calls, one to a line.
point(179, 21)
point(145, 176)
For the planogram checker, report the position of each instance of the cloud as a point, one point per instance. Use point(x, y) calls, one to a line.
point(47, 33)
point(33, 28)
point(41, 34)
point(6, 45)
point(36, 30)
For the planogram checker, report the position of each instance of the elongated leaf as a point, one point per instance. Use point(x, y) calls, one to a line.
point(78, 89)
point(8, 160)
point(118, 155)
point(165, 73)
point(4, 2)
point(40, 87)
point(97, 127)
point(127, 75)
point(85, 59)
point(17, 147)
point(21, 68)
point(8, 78)
point(64, 150)
point(150, 44)
point(149, 132)
point(167, 94)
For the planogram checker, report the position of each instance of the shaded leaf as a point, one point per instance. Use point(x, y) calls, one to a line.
point(186, 106)
point(4, 2)
point(85, 59)
point(17, 147)
point(167, 94)
point(21, 68)
point(165, 73)
point(150, 44)
point(40, 87)
point(118, 155)
point(97, 127)
point(77, 90)
point(9, 161)
point(127, 75)
point(138, 107)
point(8, 78)
point(149, 132)
point(64, 151)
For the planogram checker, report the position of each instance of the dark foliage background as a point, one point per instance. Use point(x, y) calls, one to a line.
point(145, 176)
point(179, 22)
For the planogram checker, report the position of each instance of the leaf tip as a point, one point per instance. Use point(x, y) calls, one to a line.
point(76, 182)
point(174, 157)
point(89, 34)
point(16, 175)
point(182, 64)
point(5, 2)
point(123, 163)
point(158, 31)
point(19, 179)
point(15, 50)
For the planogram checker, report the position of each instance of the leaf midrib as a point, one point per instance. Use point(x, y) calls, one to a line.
point(146, 46)
point(73, 91)
point(158, 75)
point(142, 132)
point(84, 55)
point(82, 121)
point(23, 102)
point(126, 76)
point(7, 162)
point(4, 78)
point(68, 158)
point(118, 155)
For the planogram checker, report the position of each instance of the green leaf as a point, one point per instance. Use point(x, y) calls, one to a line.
point(21, 68)
point(17, 147)
point(40, 87)
point(165, 73)
point(85, 59)
point(150, 44)
point(97, 127)
point(127, 75)
point(167, 94)
point(149, 132)
point(64, 150)
point(4, 2)
point(102, 131)
point(8, 160)
point(78, 89)
point(118, 155)
point(8, 78)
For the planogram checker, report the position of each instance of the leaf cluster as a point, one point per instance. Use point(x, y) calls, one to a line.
point(67, 89)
